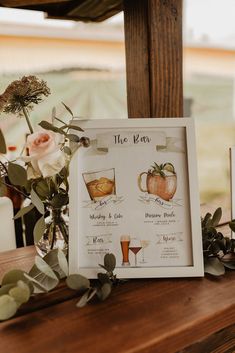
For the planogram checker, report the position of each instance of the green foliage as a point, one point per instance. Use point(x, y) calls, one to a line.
point(17, 174)
point(68, 109)
point(102, 288)
point(161, 169)
point(18, 286)
point(3, 148)
point(39, 229)
point(77, 282)
point(218, 251)
point(23, 211)
point(37, 202)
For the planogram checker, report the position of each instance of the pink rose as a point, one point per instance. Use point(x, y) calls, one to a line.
point(45, 155)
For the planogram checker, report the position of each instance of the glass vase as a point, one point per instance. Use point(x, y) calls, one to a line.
point(56, 233)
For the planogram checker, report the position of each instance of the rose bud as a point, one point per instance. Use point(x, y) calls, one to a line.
point(85, 141)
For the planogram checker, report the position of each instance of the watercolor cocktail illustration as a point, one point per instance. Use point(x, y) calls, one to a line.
point(144, 245)
point(129, 244)
point(100, 183)
point(125, 242)
point(161, 180)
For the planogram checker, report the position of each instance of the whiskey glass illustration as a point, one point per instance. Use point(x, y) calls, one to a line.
point(100, 183)
point(125, 241)
point(135, 247)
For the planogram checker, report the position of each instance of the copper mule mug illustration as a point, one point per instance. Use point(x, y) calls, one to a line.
point(161, 181)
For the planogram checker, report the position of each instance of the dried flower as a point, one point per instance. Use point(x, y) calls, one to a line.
point(23, 93)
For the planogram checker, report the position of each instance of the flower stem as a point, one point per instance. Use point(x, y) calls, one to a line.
point(16, 189)
point(27, 119)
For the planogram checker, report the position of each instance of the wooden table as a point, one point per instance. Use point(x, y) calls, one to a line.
point(159, 316)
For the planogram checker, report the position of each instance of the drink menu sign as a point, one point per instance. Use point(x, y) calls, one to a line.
point(134, 194)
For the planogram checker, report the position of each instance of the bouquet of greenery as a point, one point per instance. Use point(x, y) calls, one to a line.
point(40, 174)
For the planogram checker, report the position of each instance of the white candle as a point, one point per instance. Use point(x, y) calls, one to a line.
point(7, 235)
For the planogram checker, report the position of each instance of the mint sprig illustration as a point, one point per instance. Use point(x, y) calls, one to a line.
point(161, 169)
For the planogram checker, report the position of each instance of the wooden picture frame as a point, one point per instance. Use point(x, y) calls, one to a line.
point(134, 192)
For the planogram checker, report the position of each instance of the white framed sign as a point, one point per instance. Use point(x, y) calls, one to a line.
point(134, 193)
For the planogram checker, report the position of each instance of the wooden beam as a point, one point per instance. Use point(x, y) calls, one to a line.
point(165, 35)
point(19, 3)
point(153, 35)
point(137, 58)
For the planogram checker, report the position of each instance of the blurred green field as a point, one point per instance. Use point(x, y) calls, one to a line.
point(95, 94)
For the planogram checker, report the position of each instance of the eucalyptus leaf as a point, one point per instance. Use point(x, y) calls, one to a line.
point(5, 289)
point(63, 263)
point(13, 276)
point(232, 225)
point(206, 220)
point(75, 127)
point(52, 260)
point(67, 108)
point(8, 307)
point(214, 267)
point(23, 211)
point(77, 282)
point(67, 150)
point(17, 174)
point(60, 200)
point(216, 217)
point(103, 278)
point(42, 189)
point(53, 114)
point(36, 283)
point(83, 300)
point(21, 293)
point(44, 268)
point(109, 262)
point(230, 265)
point(104, 291)
point(39, 229)
point(91, 294)
point(48, 126)
point(3, 147)
point(73, 138)
point(35, 199)
point(45, 283)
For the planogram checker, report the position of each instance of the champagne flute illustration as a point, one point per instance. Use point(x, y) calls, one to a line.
point(144, 244)
point(135, 247)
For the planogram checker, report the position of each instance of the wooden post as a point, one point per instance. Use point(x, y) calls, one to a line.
point(153, 37)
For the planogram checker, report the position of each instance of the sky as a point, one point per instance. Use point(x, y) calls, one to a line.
point(213, 18)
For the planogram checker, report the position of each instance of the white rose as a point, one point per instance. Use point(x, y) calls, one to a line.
point(45, 155)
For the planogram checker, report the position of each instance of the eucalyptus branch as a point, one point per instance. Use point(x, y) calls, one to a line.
point(16, 189)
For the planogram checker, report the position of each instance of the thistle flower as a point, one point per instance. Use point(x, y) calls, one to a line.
point(23, 93)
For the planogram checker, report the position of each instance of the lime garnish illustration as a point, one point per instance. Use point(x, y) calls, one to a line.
point(161, 169)
point(169, 168)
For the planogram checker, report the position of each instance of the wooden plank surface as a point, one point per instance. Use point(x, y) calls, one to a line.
point(220, 342)
point(22, 258)
point(141, 316)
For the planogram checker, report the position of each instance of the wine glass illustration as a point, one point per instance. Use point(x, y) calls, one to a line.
point(125, 241)
point(135, 247)
point(144, 244)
